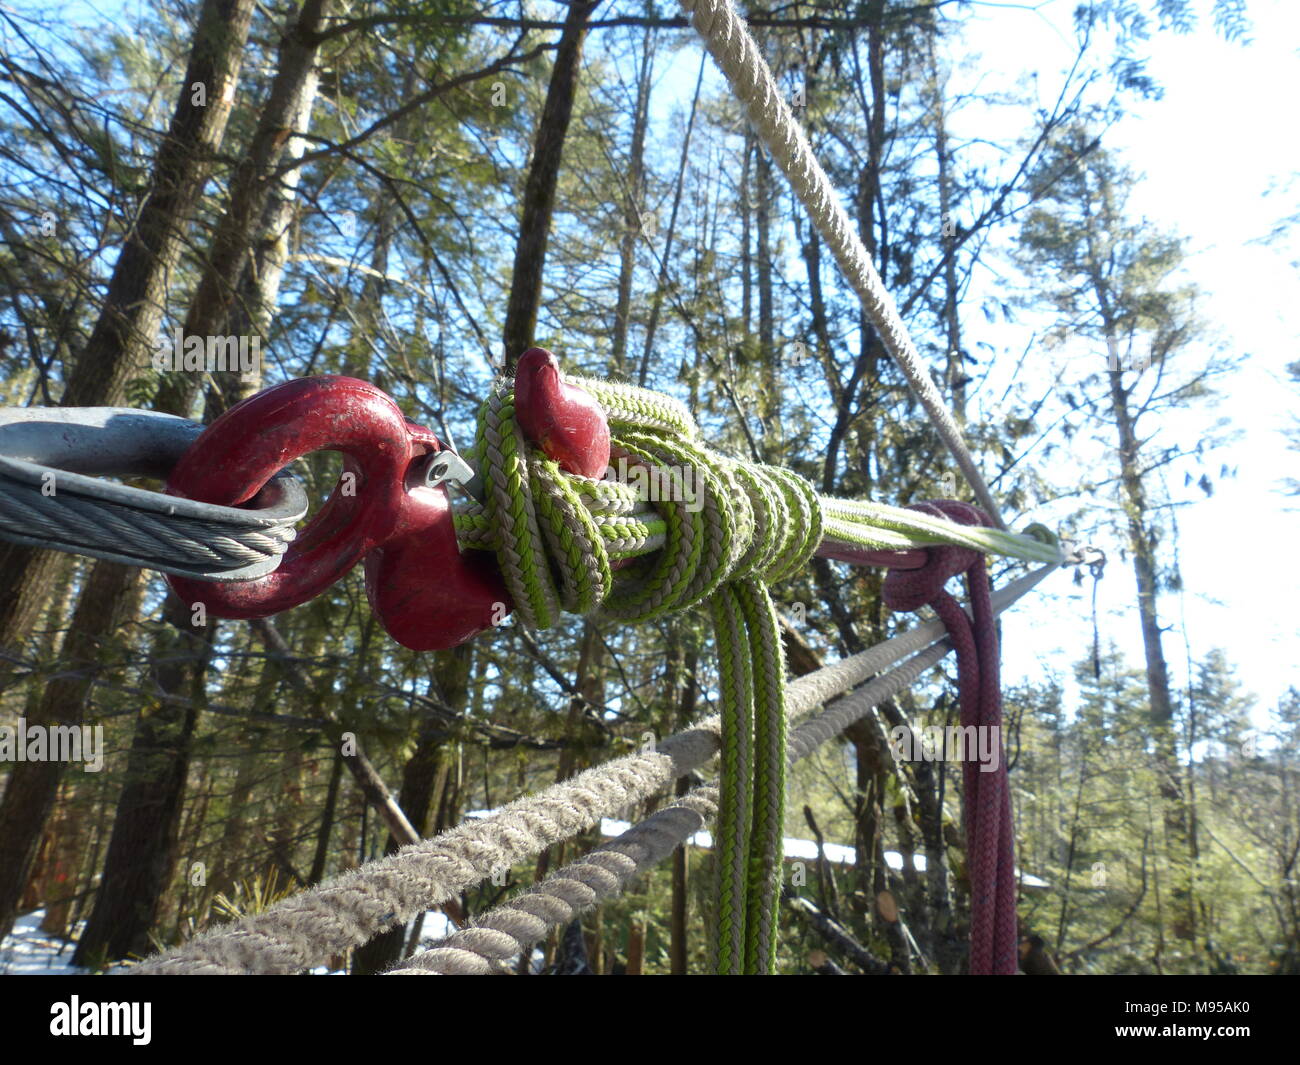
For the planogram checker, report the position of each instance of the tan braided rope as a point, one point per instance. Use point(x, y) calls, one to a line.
point(728, 40)
point(307, 930)
point(505, 931)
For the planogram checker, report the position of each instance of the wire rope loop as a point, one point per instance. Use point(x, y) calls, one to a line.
point(53, 495)
point(245, 447)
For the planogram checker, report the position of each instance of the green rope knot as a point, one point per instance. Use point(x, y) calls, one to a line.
point(690, 518)
point(672, 525)
point(689, 525)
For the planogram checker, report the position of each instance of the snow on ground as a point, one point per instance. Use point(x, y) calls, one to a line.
point(28, 951)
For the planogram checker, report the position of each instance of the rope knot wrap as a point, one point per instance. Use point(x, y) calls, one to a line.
point(987, 797)
point(566, 542)
point(723, 531)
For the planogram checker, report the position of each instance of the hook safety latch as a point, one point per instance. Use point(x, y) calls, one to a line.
point(447, 467)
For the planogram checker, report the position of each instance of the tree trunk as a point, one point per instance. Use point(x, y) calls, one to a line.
point(133, 309)
point(1142, 544)
point(142, 852)
point(111, 595)
point(319, 859)
point(635, 947)
point(136, 302)
point(254, 308)
point(539, 191)
point(259, 193)
point(764, 194)
point(53, 881)
point(679, 941)
point(746, 232)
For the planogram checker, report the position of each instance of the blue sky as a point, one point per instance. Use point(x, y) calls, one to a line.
point(1219, 157)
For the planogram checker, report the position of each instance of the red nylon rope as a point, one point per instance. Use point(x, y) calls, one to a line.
point(986, 810)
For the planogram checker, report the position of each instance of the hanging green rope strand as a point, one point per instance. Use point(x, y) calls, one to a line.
point(731, 847)
point(766, 849)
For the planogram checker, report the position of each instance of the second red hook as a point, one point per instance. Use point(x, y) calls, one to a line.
point(426, 592)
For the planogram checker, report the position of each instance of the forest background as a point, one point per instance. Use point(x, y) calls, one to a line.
point(1087, 215)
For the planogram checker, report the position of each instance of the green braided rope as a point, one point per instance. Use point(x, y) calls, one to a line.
point(735, 683)
point(763, 532)
point(766, 847)
point(639, 408)
point(744, 526)
point(574, 540)
point(520, 547)
point(717, 531)
point(878, 525)
point(809, 518)
point(666, 581)
point(864, 524)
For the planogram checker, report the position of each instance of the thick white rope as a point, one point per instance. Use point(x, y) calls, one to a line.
point(506, 931)
point(728, 40)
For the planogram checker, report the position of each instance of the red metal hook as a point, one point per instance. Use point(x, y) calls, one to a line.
point(427, 594)
point(564, 420)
